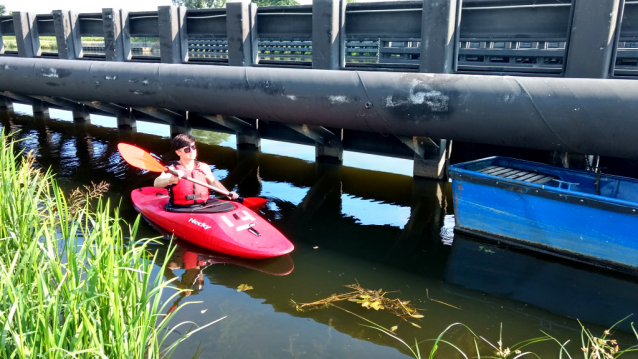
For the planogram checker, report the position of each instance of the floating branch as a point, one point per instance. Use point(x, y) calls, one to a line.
point(370, 299)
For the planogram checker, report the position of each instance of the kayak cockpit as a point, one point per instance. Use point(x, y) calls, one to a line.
point(210, 206)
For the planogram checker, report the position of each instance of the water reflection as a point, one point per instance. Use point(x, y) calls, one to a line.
point(187, 264)
point(567, 290)
point(348, 225)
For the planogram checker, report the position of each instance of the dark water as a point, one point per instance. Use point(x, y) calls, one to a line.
point(349, 225)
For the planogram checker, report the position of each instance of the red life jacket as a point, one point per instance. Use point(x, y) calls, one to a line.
point(185, 192)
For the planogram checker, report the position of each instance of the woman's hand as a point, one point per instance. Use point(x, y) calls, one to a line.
point(233, 195)
point(174, 179)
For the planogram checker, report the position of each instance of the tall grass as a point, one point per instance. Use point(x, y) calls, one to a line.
point(69, 285)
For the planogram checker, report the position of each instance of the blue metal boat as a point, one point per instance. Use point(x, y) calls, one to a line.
point(573, 214)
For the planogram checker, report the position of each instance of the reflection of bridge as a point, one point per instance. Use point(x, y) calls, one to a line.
point(81, 152)
point(263, 57)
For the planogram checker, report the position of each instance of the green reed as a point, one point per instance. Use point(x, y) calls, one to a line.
point(71, 283)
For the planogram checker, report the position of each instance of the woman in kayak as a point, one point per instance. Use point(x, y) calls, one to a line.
point(185, 193)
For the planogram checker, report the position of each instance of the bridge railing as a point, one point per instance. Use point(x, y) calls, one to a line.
point(520, 37)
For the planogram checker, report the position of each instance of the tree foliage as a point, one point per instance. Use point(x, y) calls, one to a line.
point(275, 2)
point(207, 4)
point(2, 9)
point(200, 4)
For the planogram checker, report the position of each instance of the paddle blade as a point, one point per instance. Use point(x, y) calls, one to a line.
point(139, 158)
point(254, 203)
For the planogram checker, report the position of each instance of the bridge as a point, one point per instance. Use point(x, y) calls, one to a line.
point(400, 78)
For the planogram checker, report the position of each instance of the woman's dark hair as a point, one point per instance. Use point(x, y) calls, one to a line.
point(182, 140)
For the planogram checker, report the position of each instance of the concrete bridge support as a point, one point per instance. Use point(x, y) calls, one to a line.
point(5, 103)
point(39, 107)
point(431, 156)
point(125, 119)
point(327, 144)
point(574, 160)
point(440, 21)
point(178, 121)
point(80, 112)
point(246, 133)
point(588, 41)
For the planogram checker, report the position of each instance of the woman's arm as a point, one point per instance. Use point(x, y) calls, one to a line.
point(165, 179)
point(215, 182)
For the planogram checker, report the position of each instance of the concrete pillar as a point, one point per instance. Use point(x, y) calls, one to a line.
point(439, 26)
point(117, 39)
point(183, 128)
point(126, 121)
point(40, 107)
point(67, 34)
point(172, 34)
point(245, 130)
point(591, 42)
point(431, 157)
point(328, 18)
point(248, 139)
point(575, 161)
point(241, 33)
point(26, 32)
point(438, 36)
point(5, 103)
point(81, 115)
point(330, 149)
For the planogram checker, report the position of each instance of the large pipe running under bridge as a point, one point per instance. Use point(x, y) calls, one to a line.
point(590, 116)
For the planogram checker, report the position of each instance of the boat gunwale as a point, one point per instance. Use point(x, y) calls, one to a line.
point(458, 171)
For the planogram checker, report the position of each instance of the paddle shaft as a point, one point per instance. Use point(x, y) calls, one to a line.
point(174, 173)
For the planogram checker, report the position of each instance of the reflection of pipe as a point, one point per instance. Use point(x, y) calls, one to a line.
point(593, 116)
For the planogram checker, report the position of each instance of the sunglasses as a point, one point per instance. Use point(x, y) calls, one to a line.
point(190, 148)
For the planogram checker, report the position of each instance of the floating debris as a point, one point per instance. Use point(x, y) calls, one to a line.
point(244, 287)
point(438, 301)
point(370, 299)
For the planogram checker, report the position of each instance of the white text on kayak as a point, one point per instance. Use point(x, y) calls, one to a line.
point(197, 223)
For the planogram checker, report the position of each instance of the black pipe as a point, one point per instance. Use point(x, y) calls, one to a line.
point(591, 116)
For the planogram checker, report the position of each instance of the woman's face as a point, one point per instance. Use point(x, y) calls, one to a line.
point(187, 153)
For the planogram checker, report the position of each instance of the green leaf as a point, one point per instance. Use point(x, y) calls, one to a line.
point(243, 288)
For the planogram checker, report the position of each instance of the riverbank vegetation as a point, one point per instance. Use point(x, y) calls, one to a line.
point(72, 283)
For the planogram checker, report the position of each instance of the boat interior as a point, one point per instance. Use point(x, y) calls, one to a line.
point(592, 183)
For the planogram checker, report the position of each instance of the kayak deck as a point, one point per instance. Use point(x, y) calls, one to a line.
point(238, 232)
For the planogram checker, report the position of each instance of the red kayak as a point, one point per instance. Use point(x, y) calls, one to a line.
point(222, 226)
